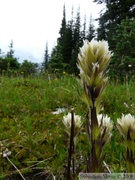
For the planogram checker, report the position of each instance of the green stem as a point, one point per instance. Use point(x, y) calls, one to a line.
point(94, 126)
point(94, 159)
point(130, 155)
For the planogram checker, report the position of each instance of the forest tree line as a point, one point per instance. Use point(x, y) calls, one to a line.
point(116, 24)
point(9, 64)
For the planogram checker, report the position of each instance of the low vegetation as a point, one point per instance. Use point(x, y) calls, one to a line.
point(35, 136)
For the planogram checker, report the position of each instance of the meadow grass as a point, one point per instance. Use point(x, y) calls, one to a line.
point(36, 137)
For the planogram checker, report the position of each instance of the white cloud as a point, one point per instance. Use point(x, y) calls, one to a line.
point(30, 23)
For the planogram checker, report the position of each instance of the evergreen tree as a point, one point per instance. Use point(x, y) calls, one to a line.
point(101, 30)
point(83, 33)
point(115, 12)
point(64, 55)
point(65, 41)
point(68, 44)
point(117, 29)
point(77, 39)
point(63, 26)
point(10, 54)
point(56, 61)
point(91, 31)
point(123, 61)
point(62, 32)
point(46, 58)
point(10, 62)
point(62, 52)
point(77, 42)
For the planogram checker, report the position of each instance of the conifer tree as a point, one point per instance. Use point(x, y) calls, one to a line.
point(77, 42)
point(62, 32)
point(101, 30)
point(115, 12)
point(11, 62)
point(83, 33)
point(10, 54)
point(68, 46)
point(65, 54)
point(123, 61)
point(114, 28)
point(63, 26)
point(56, 61)
point(46, 58)
point(58, 58)
point(65, 41)
point(91, 31)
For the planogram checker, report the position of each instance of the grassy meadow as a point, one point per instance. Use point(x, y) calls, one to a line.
point(35, 136)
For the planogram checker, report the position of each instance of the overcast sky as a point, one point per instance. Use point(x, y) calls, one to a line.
point(32, 23)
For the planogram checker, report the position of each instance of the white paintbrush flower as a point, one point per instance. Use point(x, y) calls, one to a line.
point(126, 125)
point(106, 126)
point(93, 60)
point(93, 52)
point(77, 123)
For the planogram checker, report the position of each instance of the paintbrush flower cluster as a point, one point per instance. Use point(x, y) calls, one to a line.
point(93, 60)
point(77, 123)
point(126, 126)
point(106, 127)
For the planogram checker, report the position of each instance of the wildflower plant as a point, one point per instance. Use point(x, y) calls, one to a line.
point(126, 127)
point(106, 126)
point(77, 123)
point(93, 61)
point(73, 126)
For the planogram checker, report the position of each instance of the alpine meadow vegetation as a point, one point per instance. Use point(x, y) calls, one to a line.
point(75, 112)
point(37, 141)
